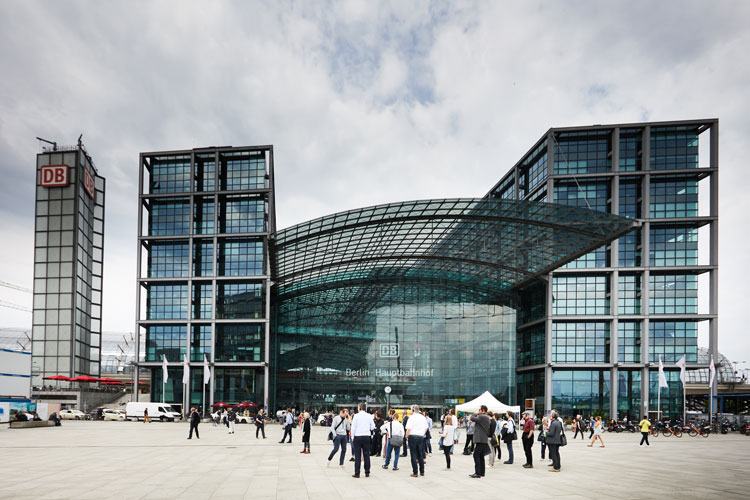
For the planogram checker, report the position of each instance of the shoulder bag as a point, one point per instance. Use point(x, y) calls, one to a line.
point(395, 440)
point(333, 431)
point(563, 439)
point(493, 437)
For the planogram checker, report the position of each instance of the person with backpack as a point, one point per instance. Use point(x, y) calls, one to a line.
point(339, 434)
point(509, 436)
point(394, 433)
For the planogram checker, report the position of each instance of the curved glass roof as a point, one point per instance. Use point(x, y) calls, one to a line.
point(348, 262)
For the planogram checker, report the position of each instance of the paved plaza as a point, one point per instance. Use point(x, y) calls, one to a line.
point(123, 460)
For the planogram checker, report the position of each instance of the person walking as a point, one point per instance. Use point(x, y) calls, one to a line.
point(528, 440)
point(469, 445)
point(145, 416)
point(598, 429)
point(231, 419)
point(554, 440)
point(492, 440)
point(416, 428)
point(288, 422)
point(340, 428)
point(195, 419)
point(645, 425)
point(305, 433)
point(362, 426)
point(481, 434)
point(428, 436)
point(510, 436)
point(394, 432)
point(447, 438)
point(260, 424)
point(592, 424)
point(543, 435)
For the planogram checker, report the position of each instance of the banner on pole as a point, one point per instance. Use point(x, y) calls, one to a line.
point(662, 377)
point(164, 372)
point(681, 364)
point(186, 371)
point(712, 372)
point(206, 371)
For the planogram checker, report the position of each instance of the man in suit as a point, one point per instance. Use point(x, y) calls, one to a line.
point(195, 419)
point(554, 440)
point(482, 431)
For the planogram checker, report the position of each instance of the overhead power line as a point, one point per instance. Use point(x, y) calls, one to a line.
point(15, 287)
point(11, 305)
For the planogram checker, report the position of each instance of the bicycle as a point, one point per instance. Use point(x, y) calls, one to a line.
point(702, 431)
point(670, 431)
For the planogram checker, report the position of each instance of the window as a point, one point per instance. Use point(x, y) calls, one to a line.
point(200, 342)
point(674, 148)
point(597, 258)
point(168, 260)
point(170, 174)
point(240, 258)
point(674, 294)
point(629, 294)
point(674, 198)
point(629, 342)
point(583, 194)
point(205, 169)
point(202, 301)
point(580, 342)
point(630, 146)
point(203, 258)
point(581, 392)
point(673, 339)
point(241, 342)
point(204, 216)
point(168, 340)
point(531, 345)
point(242, 215)
point(574, 295)
point(674, 246)
point(630, 249)
point(167, 302)
point(169, 217)
point(242, 171)
point(582, 153)
point(630, 193)
point(240, 300)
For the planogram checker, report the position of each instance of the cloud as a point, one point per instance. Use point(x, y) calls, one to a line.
point(364, 103)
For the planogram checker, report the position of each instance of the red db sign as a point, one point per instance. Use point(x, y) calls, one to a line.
point(88, 182)
point(54, 175)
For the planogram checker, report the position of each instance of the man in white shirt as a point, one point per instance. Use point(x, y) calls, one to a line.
point(416, 428)
point(362, 426)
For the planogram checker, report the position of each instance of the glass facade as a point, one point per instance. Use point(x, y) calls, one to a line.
point(205, 271)
point(68, 265)
point(581, 392)
point(643, 288)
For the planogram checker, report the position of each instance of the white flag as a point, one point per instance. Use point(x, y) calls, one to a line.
point(681, 364)
point(186, 371)
point(662, 378)
point(164, 372)
point(712, 372)
point(206, 371)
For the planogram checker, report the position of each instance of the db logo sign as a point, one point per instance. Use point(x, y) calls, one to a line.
point(54, 175)
point(388, 350)
point(88, 182)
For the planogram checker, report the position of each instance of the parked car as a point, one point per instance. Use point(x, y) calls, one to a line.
point(72, 415)
point(242, 419)
point(109, 414)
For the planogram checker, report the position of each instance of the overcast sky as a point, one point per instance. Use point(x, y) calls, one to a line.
point(365, 103)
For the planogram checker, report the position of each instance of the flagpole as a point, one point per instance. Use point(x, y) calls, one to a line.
point(658, 404)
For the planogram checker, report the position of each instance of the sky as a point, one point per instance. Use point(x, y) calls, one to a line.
point(364, 103)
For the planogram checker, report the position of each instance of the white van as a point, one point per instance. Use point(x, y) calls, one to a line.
point(156, 411)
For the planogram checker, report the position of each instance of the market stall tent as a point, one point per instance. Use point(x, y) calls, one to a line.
point(490, 402)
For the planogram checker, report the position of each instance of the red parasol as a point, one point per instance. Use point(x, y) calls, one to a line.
point(107, 379)
point(245, 404)
point(84, 378)
point(57, 377)
point(113, 382)
point(220, 404)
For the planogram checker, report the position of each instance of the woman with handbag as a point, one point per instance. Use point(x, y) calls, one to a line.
point(394, 432)
point(598, 430)
point(447, 439)
point(543, 436)
point(492, 439)
point(510, 436)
